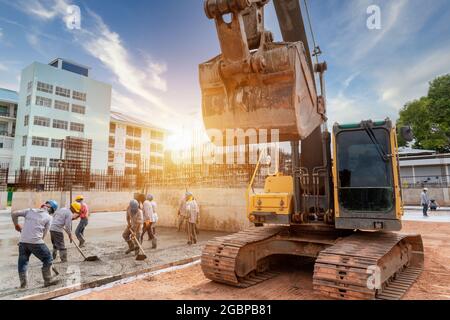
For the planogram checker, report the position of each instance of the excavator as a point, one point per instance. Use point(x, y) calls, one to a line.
point(342, 203)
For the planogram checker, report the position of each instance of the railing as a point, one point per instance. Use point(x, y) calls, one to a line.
point(60, 179)
point(417, 182)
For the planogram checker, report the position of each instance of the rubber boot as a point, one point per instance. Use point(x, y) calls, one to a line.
point(23, 280)
point(130, 246)
point(63, 255)
point(154, 243)
point(82, 243)
point(54, 254)
point(136, 251)
point(47, 275)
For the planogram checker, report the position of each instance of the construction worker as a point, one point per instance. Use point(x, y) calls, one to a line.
point(62, 222)
point(150, 219)
point(132, 233)
point(182, 213)
point(84, 220)
point(425, 201)
point(192, 216)
point(36, 226)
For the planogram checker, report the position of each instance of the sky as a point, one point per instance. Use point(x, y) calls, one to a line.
point(149, 51)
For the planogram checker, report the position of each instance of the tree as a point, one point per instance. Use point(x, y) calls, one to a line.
point(429, 117)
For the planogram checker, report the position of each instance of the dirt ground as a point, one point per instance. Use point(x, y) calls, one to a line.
point(293, 284)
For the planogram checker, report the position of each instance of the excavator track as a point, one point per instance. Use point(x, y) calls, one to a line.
point(369, 266)
point(220, 257)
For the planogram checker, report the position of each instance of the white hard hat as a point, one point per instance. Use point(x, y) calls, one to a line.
point(425, 189)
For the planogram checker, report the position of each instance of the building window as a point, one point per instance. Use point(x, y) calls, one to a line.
point(41, 121)
point(38, 162)
point(22, 162)
point(137, 145)
point(78, 109)
point(54, 163)
point(78, 127)
point(44, 102)
point(112, 142)
point(111, 156)
point(134, 132)
point(44, 87)
point(57, 143)
point(4, 111)
point(156, 148)
point(28, 100)
point(30, 87)
point(136, 159)
point(63, 92)
point(129, 144)
point(24, 141)
point(60, 124)
point(129, 158)
point(40, 142)
point(112, 128)
point(26, 121)
point(157, 135)
point(64, 106)
point(79, 95)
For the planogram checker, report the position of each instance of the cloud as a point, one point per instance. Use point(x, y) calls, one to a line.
point(3, 67)
point(140, 76)
point(43, 9)
point(409, 79)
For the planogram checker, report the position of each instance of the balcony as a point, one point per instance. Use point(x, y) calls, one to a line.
point(6, 142)
point(8, 115)
point(6, 134)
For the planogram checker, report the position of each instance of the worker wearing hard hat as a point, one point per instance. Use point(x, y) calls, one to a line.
point(425, 201)
point(84, 220)
point(132, 233)
point(35, 228)
point(62, 221)
point(192, 216)
point(150, 219)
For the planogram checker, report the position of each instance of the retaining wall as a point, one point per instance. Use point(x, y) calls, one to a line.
point(221, 209)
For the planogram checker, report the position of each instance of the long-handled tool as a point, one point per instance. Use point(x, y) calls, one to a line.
point(86, 258)
point(140, 256)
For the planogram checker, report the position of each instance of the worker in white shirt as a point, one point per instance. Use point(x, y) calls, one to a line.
point(150, 220)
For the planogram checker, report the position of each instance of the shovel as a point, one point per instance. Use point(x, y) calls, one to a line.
point(90, 258)
point(140, 256)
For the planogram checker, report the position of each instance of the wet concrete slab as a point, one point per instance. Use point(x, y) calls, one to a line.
point(104, 235)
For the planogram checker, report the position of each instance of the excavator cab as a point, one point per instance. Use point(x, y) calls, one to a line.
point(366, 176)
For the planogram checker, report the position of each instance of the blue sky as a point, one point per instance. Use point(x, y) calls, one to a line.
point(149, 50)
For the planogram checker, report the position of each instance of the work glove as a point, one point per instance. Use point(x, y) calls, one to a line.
point(18, 228)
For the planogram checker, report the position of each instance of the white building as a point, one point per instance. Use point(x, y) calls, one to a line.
point(56, 101)
point(424, 167)
point(8, 112)
point(134, 145)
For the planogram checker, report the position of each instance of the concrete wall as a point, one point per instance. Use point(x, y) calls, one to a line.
point(220, 209)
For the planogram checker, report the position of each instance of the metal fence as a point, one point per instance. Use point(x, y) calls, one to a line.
point(65, 179)
point(417, 182)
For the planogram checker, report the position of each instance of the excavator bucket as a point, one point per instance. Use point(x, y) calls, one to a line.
point(258, 84)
